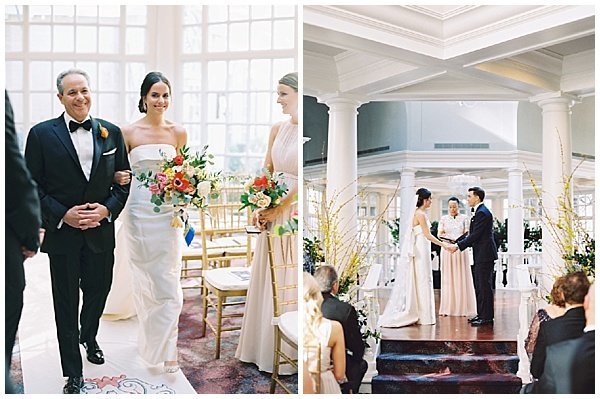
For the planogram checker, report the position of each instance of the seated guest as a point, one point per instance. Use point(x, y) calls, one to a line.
point(583, 369)
point(569, 366)
point(325, 334)
point(570, 325)
point(555, 308)
point(334, 309)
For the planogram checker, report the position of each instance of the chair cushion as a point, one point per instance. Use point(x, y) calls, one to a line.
point(225, 278)
point(197, 252)
point(288, 324)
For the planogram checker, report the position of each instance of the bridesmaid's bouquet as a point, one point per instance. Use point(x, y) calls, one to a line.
point(182, 181)
point(264, 191)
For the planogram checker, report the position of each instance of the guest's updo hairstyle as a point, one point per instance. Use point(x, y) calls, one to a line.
point(290, 80)
point(149, 81)
point(423, 194)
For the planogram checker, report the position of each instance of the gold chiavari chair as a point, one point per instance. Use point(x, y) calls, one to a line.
point(282, 261)
point(223, 284)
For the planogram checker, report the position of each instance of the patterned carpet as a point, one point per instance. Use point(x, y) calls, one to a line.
point(196, 358)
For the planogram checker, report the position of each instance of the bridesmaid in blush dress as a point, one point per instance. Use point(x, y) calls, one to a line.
point(256, 343)
point(457, 294)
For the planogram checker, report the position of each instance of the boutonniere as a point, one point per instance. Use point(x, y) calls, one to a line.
point(103, 131)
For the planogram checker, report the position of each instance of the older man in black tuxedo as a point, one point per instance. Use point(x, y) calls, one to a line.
point(334, 309)
point(22, 225)
point(73, 159)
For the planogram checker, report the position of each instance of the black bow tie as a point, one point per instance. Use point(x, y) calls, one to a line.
point(472, 209)
point(87, 125)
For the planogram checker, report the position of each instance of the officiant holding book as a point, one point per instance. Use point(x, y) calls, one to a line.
point(457, 294)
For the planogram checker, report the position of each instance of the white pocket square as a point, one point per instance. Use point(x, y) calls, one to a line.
point(110, 152)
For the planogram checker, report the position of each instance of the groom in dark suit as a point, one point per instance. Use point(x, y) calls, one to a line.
point(485, 253)
point(73, 159)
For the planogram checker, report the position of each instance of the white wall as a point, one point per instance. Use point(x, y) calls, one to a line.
point(491, 122)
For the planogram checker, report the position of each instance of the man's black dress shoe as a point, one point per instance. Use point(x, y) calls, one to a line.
point(481, 322)
point(73, 385)
point(472, 319)
point(94, 353)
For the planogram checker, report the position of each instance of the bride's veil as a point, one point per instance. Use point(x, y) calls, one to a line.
point(399, 305)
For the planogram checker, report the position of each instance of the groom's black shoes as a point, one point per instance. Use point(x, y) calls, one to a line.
point(94, 353)
point(73, 385)
point(481, 322)
point(472, 319)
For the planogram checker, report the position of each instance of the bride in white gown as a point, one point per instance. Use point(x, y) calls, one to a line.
point(148, 251)
point(412, 299)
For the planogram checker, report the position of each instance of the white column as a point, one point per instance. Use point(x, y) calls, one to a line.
point(407, 199)
point(556, 165)
point(515, 223)
point(342, 175)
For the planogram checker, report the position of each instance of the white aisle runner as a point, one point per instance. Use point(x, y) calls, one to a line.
point(123, 372)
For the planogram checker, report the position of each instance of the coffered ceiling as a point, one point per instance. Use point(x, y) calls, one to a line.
point(484, 52)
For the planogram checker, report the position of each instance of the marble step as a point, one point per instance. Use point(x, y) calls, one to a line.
point(448, 347)
point(446, 383)
point(393, 363)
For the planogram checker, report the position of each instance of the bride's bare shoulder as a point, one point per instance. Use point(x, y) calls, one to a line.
point(132, 127)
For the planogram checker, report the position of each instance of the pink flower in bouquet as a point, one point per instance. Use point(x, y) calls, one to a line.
point(162, 178)
point(154, 188)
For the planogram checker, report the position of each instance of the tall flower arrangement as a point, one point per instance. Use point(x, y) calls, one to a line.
point(576, 246)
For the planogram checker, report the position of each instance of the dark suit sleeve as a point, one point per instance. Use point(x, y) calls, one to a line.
point(539, 352)
point(118, 194)
point(22, 203)
point(52, 210)
point(354, 341)
point(478, 230)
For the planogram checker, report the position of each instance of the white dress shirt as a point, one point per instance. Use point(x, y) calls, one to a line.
point(84, 146)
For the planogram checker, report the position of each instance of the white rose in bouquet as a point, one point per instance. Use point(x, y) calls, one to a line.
point(204, 188)
point(263, 201)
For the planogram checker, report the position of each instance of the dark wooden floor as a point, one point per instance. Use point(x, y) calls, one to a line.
point(505, 327)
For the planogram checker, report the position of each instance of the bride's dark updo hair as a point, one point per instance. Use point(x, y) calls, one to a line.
point(423, 194)
point(149, 81)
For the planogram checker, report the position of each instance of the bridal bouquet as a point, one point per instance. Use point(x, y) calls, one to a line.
point(263, 191)
point(182, 181)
